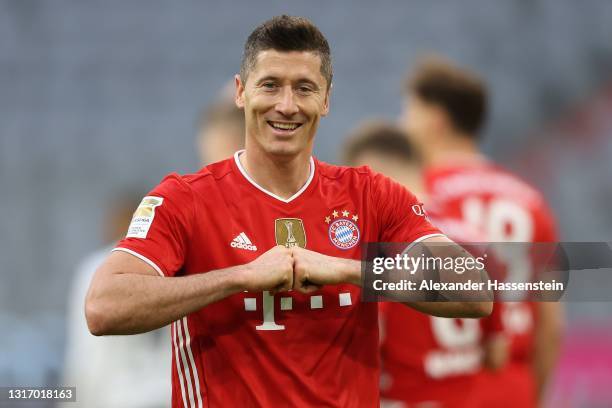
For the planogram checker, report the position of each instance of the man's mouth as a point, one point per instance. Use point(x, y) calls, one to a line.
point(284, 126)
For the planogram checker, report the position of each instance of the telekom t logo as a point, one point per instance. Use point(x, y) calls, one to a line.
point(286, 304)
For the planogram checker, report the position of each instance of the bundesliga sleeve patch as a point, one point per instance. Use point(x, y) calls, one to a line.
point(143, 217)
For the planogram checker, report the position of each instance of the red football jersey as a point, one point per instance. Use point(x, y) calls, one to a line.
point(255, 349)
point(505, 209)
point(433, 360)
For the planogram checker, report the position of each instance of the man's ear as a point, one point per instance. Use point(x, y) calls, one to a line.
point(440, 120)
point(239, 97)
point(326, 101)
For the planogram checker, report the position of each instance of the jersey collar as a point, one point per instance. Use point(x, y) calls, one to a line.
point(288, 200)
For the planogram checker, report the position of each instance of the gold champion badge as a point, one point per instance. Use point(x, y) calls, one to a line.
point(290, 232)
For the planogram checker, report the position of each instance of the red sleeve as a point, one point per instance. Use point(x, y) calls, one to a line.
point(400, 213)
point(161, 225)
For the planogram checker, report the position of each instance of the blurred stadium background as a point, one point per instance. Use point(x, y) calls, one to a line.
point(99, 97)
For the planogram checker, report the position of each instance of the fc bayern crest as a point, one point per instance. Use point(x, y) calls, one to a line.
point(344, 233)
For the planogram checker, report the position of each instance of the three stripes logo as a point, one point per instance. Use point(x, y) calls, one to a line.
point(243, 242)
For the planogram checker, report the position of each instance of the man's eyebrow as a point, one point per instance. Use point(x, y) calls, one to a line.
point(299, 81)
point(308, 81)
point(267, 78)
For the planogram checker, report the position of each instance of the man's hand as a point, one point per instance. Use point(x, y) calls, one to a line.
point(272, 271)
point(282, 269)
point(312, 270)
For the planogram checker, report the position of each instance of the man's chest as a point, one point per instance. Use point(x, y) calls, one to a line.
point(237, 231)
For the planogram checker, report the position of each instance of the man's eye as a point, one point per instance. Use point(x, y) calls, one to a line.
point(305, 89)
point(269, 85)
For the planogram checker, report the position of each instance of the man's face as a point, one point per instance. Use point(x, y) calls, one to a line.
point(284, 98)
point(421, 120)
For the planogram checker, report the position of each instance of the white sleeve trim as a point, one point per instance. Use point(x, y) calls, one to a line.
point(422, 238)
point(142, 258)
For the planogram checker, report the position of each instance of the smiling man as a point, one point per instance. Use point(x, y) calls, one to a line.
point(254, 260)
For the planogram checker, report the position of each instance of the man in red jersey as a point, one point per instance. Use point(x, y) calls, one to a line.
point(427, 361)
point(444, 110)
point(254, 259)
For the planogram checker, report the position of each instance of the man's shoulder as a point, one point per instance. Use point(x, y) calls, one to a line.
point(201, 179)
point(517, 187)
point(360, 179)
point(334, 172)
point(485, 178)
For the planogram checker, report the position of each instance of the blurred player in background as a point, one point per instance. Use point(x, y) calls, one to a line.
point(118, 371)
point(427, 361)
point(220, 128)
point(445, 107)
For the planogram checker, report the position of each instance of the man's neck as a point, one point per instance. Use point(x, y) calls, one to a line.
point(452, 150)
point(282, 176)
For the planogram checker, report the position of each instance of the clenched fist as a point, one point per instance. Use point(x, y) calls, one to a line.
point(311, 270)
point(272, 271)
point(282, 269)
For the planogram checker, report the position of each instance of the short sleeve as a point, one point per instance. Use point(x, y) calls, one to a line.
point(160, 227)
point(401, 215)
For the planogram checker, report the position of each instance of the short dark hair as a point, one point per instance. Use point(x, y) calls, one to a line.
point(461, 93)
point(382, 137)
point(286, 33)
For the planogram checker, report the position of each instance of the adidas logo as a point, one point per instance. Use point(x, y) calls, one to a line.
point(243, 242)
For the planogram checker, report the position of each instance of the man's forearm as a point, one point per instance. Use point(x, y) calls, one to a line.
point(129, 303)
point(352, 271)
point(453, 309)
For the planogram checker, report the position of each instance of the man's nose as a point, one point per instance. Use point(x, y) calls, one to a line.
point(286, 103)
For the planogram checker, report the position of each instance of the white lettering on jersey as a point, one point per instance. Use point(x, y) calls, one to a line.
point(268, 314)
point(286, 304)
point(460, 354)
point(504, 221)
